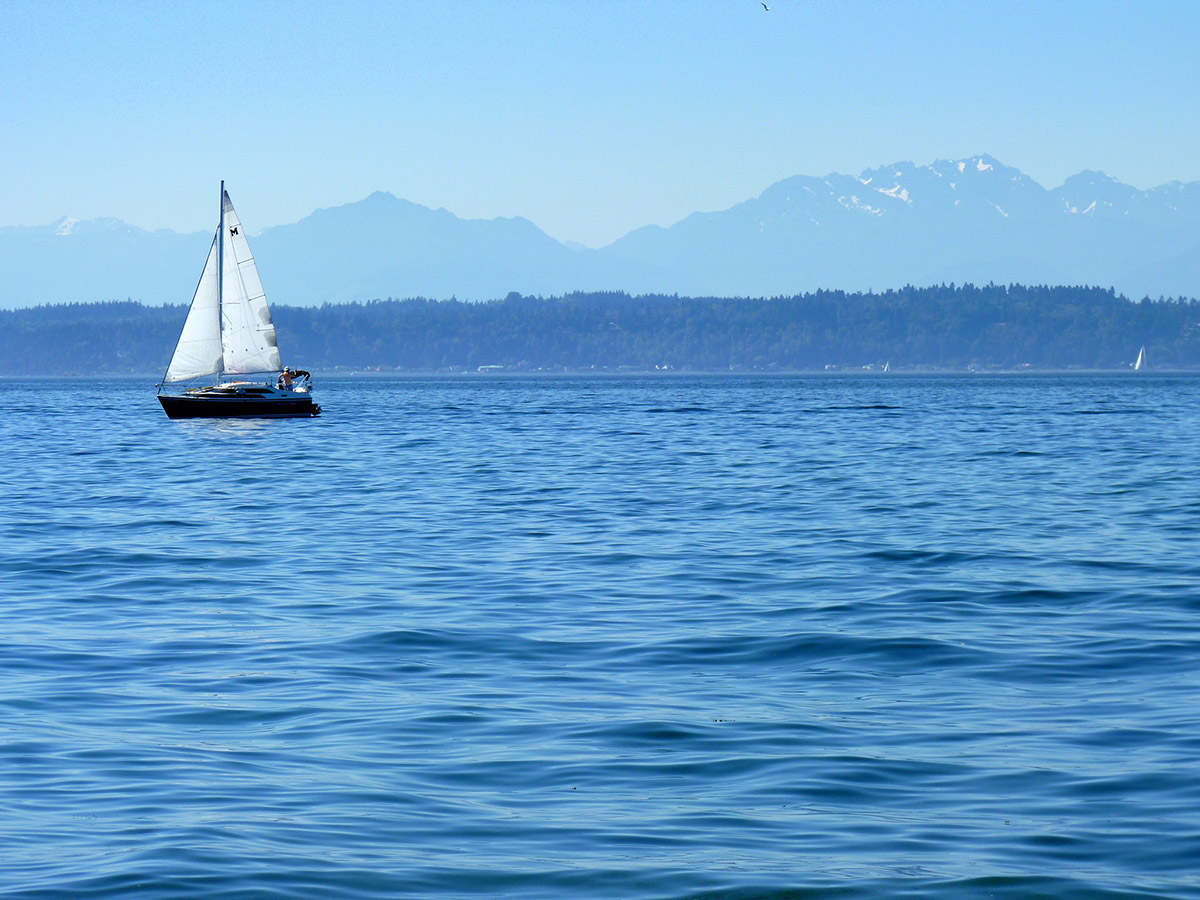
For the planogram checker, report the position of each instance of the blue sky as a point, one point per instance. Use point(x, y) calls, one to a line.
point(589, 118)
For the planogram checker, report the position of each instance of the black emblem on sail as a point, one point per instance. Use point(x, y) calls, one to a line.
point(233, 230)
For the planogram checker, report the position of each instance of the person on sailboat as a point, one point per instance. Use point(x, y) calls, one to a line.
point(288, 375)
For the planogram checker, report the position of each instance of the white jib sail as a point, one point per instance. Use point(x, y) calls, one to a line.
point(247, 332)
point(199, 349)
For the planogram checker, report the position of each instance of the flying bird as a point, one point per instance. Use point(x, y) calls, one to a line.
point(764, 6)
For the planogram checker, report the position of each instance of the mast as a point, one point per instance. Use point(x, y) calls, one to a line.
point(221, 274)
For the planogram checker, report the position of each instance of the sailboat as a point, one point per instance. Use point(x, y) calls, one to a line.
point(1141, 360)
point(229, 332)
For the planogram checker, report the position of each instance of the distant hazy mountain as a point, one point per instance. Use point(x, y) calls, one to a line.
point(383, 246)
point(965, 220)
point(101, 259)
point(377, 247)
point(953, 221)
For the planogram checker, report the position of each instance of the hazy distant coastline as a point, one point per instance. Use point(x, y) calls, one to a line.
point(949, 327)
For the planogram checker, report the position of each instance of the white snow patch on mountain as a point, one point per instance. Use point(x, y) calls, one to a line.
point(982, 166)
point(898, 192)
point(855, 203)
point(962, 166)
point(66, 226)
point(995, 207)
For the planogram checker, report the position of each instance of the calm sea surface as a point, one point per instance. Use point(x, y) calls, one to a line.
point(487, 637)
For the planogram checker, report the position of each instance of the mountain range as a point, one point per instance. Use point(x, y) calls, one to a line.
point(954, 221)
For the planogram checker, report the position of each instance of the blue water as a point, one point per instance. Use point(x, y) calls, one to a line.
point(723, 637)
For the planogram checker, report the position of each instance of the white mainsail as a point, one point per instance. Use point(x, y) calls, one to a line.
point(1141, 360)
point(247, 332)
point(228, 327)
point(199, 349)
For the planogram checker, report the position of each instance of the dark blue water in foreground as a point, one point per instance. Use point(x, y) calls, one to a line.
point(812, 637)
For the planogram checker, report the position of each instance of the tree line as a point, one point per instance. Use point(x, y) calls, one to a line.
point(940, 327)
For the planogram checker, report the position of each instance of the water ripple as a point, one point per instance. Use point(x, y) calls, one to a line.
point(702, 638)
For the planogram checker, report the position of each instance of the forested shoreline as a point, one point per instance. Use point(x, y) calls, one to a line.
point(948, 327)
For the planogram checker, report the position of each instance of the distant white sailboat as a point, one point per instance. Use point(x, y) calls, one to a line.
point(228, 331)
point(887, 367)
point(1141, 360)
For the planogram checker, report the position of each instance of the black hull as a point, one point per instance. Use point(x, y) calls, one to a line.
point(248, 408)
